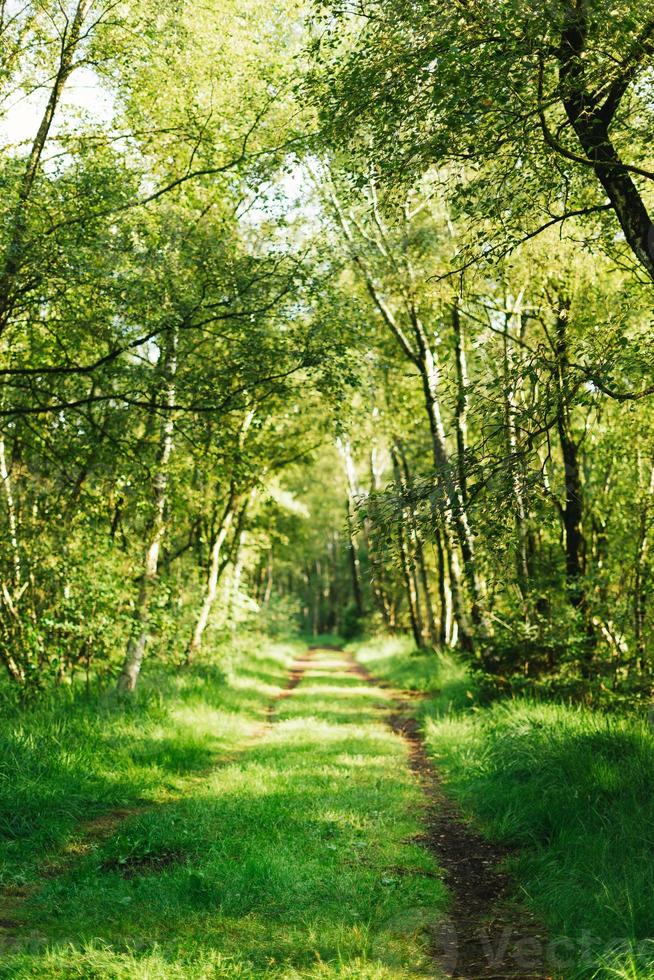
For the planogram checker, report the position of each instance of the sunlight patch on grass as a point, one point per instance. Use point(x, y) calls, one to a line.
point(308, 690)
point(263, 688)
point(283, 862)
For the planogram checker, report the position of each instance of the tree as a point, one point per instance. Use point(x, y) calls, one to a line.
point(539, 109)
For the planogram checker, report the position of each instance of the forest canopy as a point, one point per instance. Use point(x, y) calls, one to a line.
point(333, 314)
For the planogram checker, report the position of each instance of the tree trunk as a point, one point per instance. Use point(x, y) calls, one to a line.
point(240, 536)
point(454, 512)
point(355, 568)
point(332, 594)
point(445, 606)
point(461, 405)
point(407, 563)
point(376, 562)
point(317, 599)
point(573, 508)
point(409, 584)
point(12, 518)
point(155, 531)
point(519, 509)
point(269, 579)
point(641, 583)
point(12, 596)
point(352, 493)
point(590, 119)
point(235, 583)
point(432, 633)
point(211, 589)
point(572, 511)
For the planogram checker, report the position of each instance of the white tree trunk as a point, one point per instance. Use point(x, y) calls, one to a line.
point(137, 643)
point(212, 584)
point(11, 516)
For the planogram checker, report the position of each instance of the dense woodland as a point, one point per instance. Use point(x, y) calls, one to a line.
point(337, 315)
point(326, 489)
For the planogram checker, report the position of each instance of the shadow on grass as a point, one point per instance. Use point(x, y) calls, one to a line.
point(575, 791)
point(286, 863)
point(73, 756)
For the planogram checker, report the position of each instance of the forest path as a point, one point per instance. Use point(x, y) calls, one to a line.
point(308, 852)
point(485, 935)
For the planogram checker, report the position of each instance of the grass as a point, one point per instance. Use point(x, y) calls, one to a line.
point(283, 852)
point(571, 789)
point(75, 755)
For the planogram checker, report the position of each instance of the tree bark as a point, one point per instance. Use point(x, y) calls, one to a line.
point(352, 492)
point(454, 511)
point(591, 120)
point(641, 583)
point(12, 596)
point(376, 563)
point(519, 509)
point(444, 599)
point(240, 536)
point(235, 583)
point(572, 511)
point(269, 579)
point(317, 599)
point(355, 567)
point(131, 668)
point(461, 405)
point(420, 562)
point(573, 506)
point(406, 562)
point(12, 518)
point(211, 589)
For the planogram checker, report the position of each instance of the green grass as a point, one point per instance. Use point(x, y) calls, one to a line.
point(441, 676)
point(572, 789)
point(74, 755)
point(284, 853)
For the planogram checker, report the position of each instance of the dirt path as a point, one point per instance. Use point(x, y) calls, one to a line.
point(487, 937)
point(295, 676)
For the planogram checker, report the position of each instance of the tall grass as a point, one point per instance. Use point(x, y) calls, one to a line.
point(571, 789)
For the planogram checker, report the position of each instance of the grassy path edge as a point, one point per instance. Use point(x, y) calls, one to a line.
point(487, 934)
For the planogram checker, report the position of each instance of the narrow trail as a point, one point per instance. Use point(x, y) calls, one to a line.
point(487, 937)
point(295, 675)
point(484, 936)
